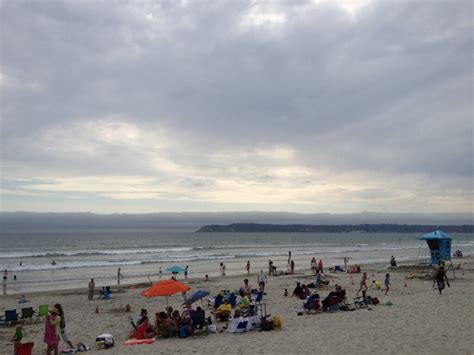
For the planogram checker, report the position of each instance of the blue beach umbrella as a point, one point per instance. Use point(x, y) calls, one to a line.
point(196, 296)
point(175, 269)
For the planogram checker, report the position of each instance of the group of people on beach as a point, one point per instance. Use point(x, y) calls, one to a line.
point(168, 323)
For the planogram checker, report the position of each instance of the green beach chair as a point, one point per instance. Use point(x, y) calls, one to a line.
point(42, 312)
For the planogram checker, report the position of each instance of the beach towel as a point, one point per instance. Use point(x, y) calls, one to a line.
point(81, 347)
point(139, 341)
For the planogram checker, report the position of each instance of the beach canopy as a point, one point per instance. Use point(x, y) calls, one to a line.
point(175, 269)
point(437, 234)
point(439, 243)
point(165, 288)
point(196, 296)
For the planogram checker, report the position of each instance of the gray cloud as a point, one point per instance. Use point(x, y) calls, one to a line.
point(208, 101)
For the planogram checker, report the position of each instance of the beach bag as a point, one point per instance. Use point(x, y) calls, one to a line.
point(375, 300)
point(104, 341)
point(276, 322)
point(266, 324)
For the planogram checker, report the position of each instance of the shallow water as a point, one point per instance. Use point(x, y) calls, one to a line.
point(80, 256)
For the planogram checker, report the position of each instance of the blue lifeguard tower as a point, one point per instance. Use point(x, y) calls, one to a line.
point(439, 244)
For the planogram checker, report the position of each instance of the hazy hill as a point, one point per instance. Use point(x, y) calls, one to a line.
point(192, 221)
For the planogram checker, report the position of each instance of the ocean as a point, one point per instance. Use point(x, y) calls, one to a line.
point(80, 256)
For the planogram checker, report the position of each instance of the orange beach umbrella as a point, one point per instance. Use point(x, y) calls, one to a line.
point(165, 288)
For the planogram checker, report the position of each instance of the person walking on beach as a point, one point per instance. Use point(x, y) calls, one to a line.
point(186, 272)
point(222, 269)
point(160, 272)
point(248, 267)
point(292, 266)
point(314, 265)
point(91, 290)
point(270, 268)
point(261, 280)
point(363, 283)
point(64, 334)
point(440, 279)
point(387, 283)
point(52, 330)
point(320, 266)
point(5, 276)
point(119, 276)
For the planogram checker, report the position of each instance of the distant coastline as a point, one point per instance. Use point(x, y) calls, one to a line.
point(339, 228)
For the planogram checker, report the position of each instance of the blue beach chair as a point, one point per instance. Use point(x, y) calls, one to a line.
point(10, 317)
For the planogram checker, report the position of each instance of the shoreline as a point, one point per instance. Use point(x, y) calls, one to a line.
point(402, 267)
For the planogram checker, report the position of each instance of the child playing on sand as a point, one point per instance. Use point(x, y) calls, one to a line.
point(18, 336)
point(376, 284)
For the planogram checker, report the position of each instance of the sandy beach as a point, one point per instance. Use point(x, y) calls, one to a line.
point(419, 321)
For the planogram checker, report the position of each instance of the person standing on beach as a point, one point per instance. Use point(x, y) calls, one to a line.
point(261, 279)
point(119, 276)
point(222, 269)
point(363, 283)
point(387, 283)
point(440, 279)
point(5, 276)
point(186, 272)
point(52, 330)
point(289, 256)
point(248, 267)
point(270, 268)
point(314, 265)
point(320, 266)
point(91, 290)
point(160, 272)
point(292, 266)
point(64, 334)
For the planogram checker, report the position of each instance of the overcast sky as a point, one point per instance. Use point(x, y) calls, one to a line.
point(304, 106)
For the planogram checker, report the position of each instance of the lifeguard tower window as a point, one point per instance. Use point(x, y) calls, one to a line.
point(433, 244)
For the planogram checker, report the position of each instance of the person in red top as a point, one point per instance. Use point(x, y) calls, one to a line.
point(320, 266)
point(144, 330)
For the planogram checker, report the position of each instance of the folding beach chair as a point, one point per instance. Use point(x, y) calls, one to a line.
point(10, 317)
point(27, 313)
point(42, 312)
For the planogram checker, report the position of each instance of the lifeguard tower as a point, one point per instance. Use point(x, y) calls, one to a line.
point(440, 247)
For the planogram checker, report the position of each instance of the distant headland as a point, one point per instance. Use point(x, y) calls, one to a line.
point(339, 228)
